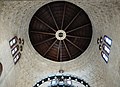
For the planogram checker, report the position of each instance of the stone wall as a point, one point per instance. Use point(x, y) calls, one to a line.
point(15, 17)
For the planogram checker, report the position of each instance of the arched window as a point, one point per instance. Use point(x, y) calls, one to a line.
point(1, 69)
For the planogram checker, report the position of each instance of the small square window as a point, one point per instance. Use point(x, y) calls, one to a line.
point(69, 82)
point(16, 58)
point(13, 41)
point(54, 82)
point(105, 57)
point(106, 49)
point(107, 40)
point(14, 50)
point(61, 82)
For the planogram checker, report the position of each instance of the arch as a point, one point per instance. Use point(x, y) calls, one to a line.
point(62, 77)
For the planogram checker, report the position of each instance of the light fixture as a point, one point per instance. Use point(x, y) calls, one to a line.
point(98, 40)
point(61, 71)
point(100, 47)
point(22, 41)
point(101, 39)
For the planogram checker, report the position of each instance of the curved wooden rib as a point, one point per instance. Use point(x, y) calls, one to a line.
point(39, 32)
point(78, 28)
point(45, 23)
point(50, 48)
point(80, 37)
point(75, 45)
point(67, 49)
point(72, 20)
point(43, 41)
point(63, 16)
point(53, 17)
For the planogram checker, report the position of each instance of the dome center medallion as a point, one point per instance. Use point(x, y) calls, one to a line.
point(60, 35)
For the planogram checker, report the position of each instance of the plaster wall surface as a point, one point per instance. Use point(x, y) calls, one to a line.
point(15, 17)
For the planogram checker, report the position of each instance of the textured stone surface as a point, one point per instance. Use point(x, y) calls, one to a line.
point(15, 17)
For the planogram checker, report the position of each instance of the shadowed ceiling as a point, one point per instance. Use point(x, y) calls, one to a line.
point(60, 31)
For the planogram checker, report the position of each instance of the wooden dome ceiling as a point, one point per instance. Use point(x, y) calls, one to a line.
point(60, 31)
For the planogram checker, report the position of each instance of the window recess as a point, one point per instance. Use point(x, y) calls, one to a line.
point(16, 58)
point(16, 46)
point(105, 44)
point(105, 57)
point(14, 50)
point(107, 40)
point(13, 41)
point(106, 49)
